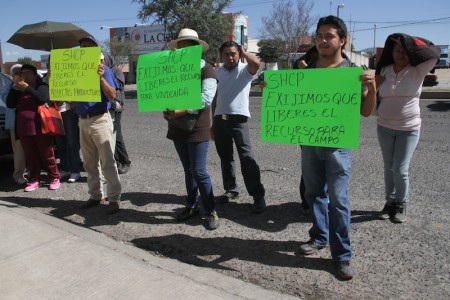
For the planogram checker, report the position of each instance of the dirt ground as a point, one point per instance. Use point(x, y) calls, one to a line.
point(392, 261)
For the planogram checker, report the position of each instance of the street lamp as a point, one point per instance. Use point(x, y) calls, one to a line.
point(105, 27)
point(339, 7)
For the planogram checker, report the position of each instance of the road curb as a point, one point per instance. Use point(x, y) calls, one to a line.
point(435, 95)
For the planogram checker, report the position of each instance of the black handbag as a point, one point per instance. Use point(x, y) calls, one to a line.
point(185, 123)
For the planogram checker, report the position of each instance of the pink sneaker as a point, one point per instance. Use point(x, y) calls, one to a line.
point(54, 184)
point(32, 186)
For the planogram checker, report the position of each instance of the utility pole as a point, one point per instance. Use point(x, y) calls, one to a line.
point(1, 58)
point(374, 49)
point(374, 35)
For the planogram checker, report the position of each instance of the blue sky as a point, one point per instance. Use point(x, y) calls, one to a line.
point(92, 14)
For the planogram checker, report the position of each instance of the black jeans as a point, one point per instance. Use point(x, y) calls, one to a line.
point(235, 128)
point(120, 153)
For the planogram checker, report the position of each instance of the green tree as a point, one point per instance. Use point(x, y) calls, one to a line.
point(204, 16)
point(270, 50)
point(25, 60)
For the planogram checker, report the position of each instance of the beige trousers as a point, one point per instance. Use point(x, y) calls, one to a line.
point(19, 156)
point(96, 138)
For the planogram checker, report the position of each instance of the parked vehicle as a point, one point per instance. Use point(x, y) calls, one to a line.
point(444, 61)
point(5, 140)
point(430, 80)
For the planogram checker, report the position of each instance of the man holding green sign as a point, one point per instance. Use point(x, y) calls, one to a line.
point(96, 137)
point(312, 107)
point(326, 170)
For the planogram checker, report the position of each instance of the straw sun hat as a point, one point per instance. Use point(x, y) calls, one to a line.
point(187, 34)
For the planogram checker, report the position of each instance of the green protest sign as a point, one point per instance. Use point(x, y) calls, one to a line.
point(316, 107)
point(169, 80)
point(74, 75)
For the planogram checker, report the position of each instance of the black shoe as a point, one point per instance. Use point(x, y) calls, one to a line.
point(259, 205)
point(310, 247)
point(399, 213)
point(305, 209)
point(211, 221)
point(345, 270)
point(113, 207)
point(387, 212)
point(186, 214)
point(225, 198)
point(90, 203)
point(124, 169)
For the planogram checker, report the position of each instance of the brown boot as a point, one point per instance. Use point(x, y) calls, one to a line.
point(113, 207)
point(91, 203)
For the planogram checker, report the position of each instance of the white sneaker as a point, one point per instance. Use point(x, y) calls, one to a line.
point(63, 175)
point(74, 177)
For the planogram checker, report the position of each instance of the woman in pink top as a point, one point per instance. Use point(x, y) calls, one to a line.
point(403, 65)
point(27, 94)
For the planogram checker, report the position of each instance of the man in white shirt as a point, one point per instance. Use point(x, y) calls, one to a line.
point(230, 123)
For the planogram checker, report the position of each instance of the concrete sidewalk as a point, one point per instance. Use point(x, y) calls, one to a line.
point(42, 257)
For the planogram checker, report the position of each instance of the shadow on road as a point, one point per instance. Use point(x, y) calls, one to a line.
point(219, 253)
point(361, 216)
point(439, 106)
point(95, 216)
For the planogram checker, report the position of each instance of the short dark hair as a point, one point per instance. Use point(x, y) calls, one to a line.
point(33, 69)
point(228, 44)
point(29, 67)
point(336, 22)
point(88, 38)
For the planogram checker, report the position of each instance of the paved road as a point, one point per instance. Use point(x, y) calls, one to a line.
point(393, 261)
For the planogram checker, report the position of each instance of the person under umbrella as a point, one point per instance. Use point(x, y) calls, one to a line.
point(27, 94)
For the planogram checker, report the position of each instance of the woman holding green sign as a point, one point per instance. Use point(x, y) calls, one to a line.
point(192, 144)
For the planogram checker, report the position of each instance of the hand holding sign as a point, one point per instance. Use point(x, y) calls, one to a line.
point(312, 107)
point(75, 75)
point(169, 80)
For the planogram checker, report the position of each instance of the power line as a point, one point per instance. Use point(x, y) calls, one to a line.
point(252, 4)
point(104, 20)
point(404, 24)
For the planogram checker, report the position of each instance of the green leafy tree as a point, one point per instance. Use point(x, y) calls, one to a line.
point(270, 50)
point(204, 16)
point(25, 60)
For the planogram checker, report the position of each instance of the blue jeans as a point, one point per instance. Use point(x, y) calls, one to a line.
point(193, 157)
point(397, 148)
point(326, 172)
point(225, 131)
point(69, 144)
